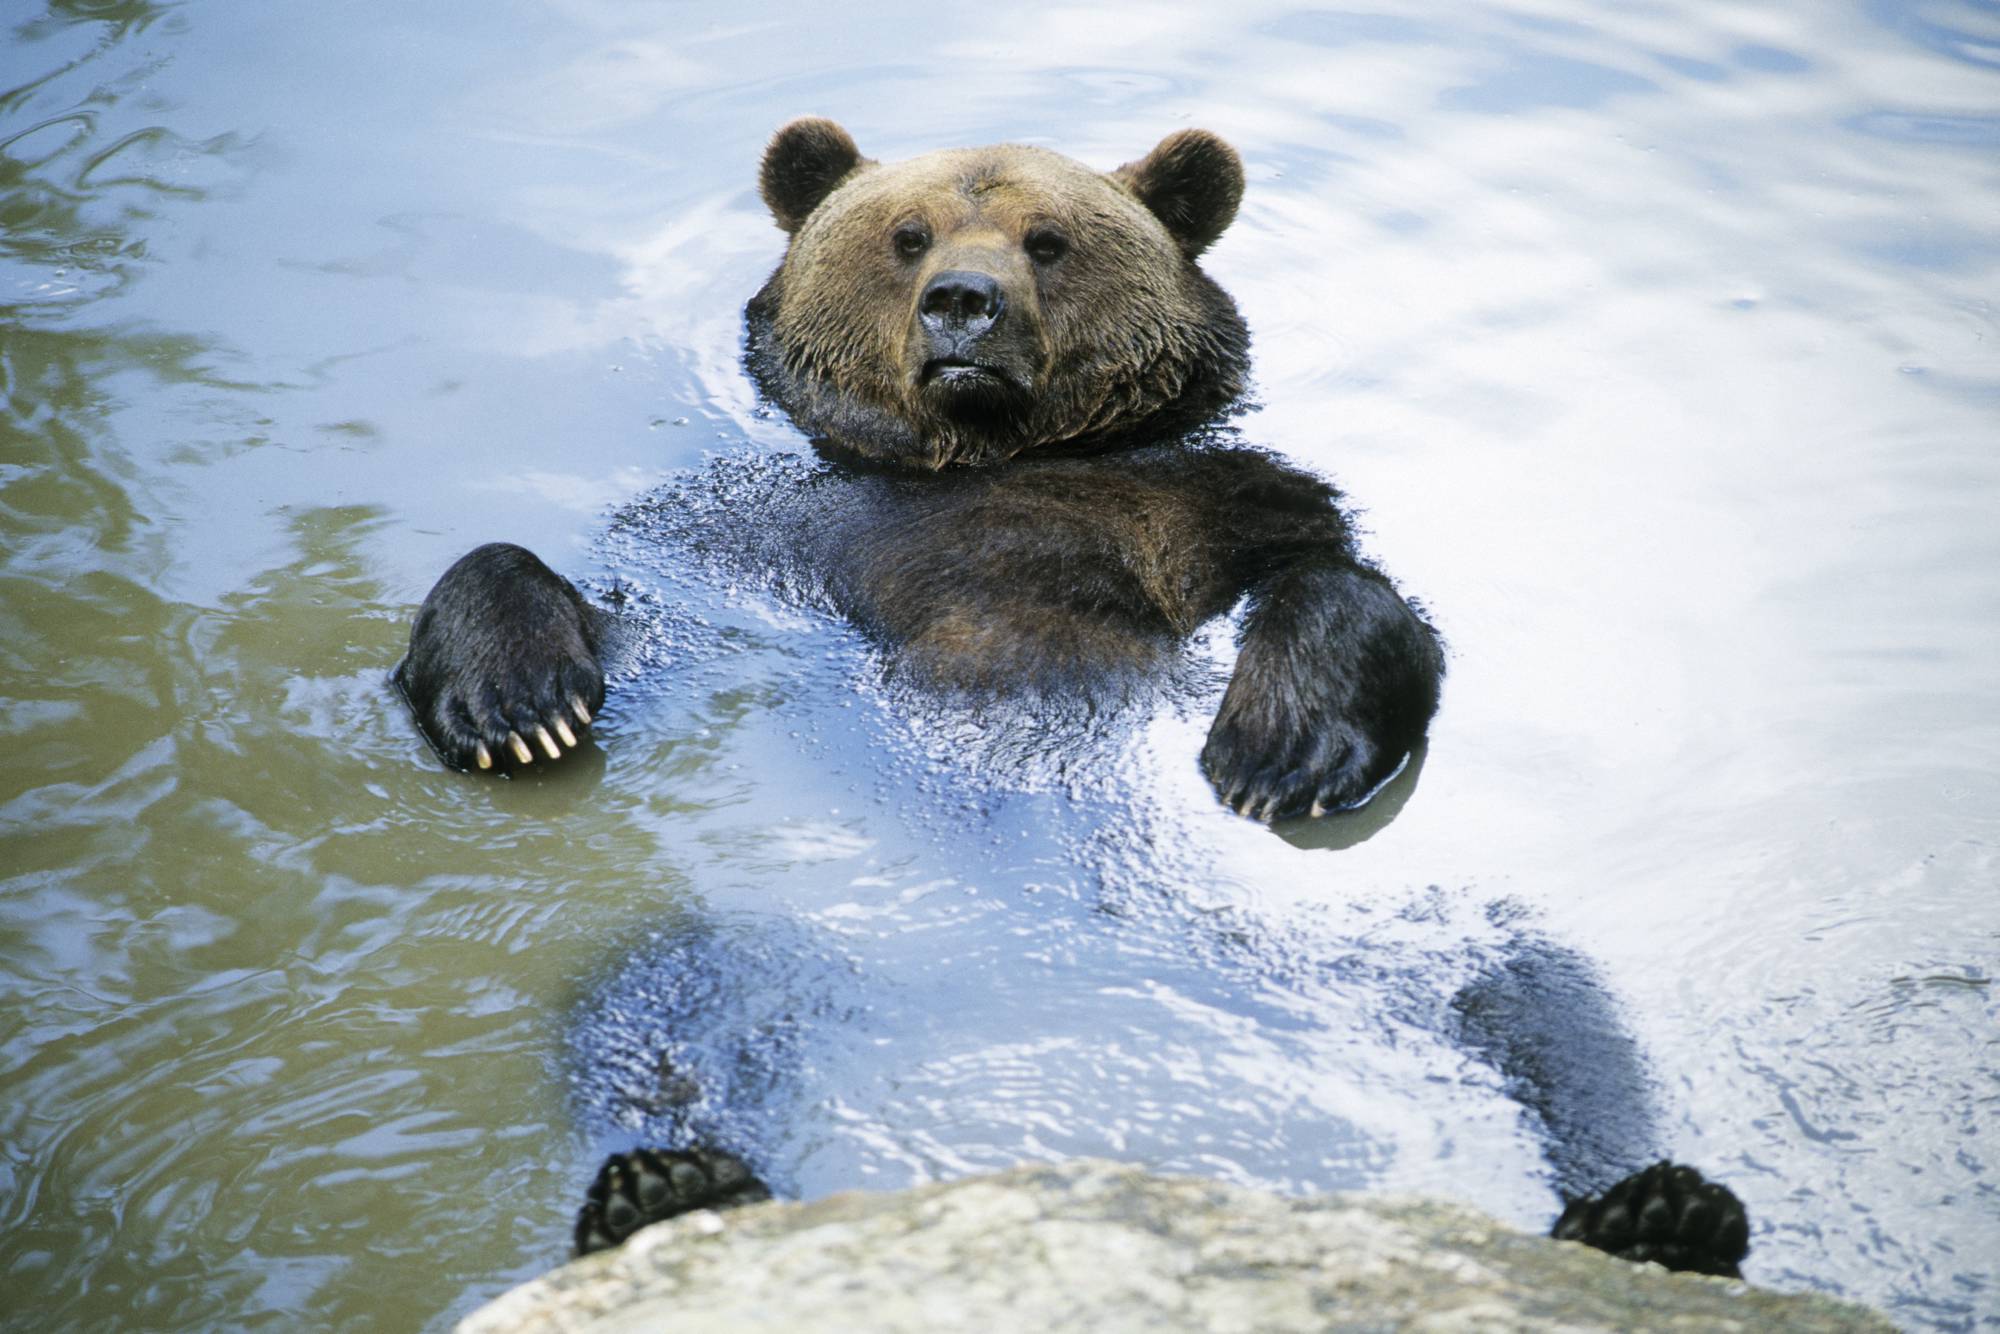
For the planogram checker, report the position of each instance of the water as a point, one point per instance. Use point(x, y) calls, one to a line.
point(1657, 339)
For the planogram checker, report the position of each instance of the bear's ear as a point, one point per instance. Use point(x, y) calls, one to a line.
point(806, 159)
point(1192, 182)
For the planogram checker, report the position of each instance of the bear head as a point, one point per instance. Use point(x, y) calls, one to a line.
point(967, 305)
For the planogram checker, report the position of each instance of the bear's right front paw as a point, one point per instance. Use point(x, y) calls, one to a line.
point(1668, 1214)
point(503, 661)
point(652, 1185)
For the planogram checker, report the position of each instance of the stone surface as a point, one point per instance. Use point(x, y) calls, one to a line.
point(1105, 1247)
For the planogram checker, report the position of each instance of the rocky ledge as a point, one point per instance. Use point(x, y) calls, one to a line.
point(1101, 1246)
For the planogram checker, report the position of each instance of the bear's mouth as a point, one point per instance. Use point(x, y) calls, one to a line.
point(959, 373)
point(975, 394)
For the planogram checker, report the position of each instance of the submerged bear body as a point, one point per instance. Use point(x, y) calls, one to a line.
point(1009, 357)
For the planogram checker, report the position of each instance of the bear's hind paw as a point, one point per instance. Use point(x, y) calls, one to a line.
point(652, 1185)
point(1667, 1214)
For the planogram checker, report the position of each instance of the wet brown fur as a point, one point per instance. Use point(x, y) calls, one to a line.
point(1120, 328)
point(1007, 353)
point(1096, 536)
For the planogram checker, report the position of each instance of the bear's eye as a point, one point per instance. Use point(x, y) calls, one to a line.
point(911, 240)
point(1045, 245)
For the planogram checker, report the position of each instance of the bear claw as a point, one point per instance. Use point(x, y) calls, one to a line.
point(652, 1185)
point(1667, 1214)
point(503, 651)
point(1312, 774)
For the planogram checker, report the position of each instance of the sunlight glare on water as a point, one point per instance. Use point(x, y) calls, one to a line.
point(1656, 342)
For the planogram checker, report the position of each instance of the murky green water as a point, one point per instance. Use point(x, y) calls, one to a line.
point(1659, 341)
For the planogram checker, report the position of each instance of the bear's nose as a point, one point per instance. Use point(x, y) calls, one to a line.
point(959, 301)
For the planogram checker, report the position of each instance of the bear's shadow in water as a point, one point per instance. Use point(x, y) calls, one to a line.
point(740, 1033)
point(912, 1046)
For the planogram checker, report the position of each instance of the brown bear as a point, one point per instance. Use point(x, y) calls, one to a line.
point(1008, 361)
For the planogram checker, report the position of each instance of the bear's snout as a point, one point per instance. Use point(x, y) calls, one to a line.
point(958, 307)
point(976, 354)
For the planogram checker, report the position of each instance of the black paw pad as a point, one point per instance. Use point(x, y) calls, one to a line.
point(652, 1185)
point(1667, 1214)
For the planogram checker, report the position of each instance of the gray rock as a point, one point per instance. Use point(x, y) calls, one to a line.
point(1104, 1247)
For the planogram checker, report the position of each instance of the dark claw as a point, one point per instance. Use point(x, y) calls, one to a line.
point(1336, 683)
point(1683, 1221)
point(652, 1185)
point(1268, 764)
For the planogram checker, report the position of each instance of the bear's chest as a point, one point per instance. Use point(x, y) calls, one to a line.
point(1036, 573)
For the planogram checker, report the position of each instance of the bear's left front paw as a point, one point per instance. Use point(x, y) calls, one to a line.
point(1337, 680)
point(652, 1185)
point(1668, 1214)
point(1272, 754)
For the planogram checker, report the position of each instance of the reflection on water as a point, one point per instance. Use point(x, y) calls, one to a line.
point(1658, 341)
